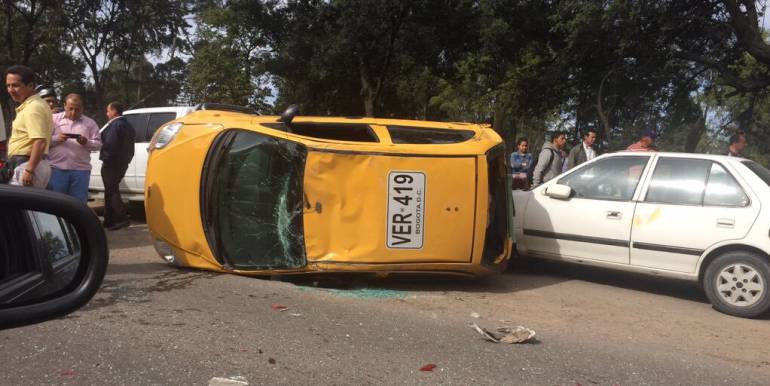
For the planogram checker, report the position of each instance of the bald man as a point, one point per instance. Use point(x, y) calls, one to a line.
point(75, 136)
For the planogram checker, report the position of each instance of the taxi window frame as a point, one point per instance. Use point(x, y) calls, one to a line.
point(291, 129)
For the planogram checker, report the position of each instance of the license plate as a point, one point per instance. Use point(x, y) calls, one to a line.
point(406, 210)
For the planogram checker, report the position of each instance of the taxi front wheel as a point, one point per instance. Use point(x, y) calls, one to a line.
point(737, 283)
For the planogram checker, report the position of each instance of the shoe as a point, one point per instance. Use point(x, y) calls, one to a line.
point(118, 225)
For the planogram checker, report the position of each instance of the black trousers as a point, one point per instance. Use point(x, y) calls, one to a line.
point(114, 210)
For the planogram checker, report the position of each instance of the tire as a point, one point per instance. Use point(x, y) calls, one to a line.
point(738, 283)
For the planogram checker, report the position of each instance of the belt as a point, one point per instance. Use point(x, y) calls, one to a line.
point(16, 160)
point(24, 158)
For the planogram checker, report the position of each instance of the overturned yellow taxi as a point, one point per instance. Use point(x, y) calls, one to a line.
point(261, 195)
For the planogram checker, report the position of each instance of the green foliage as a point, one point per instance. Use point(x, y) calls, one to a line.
point(694, 70)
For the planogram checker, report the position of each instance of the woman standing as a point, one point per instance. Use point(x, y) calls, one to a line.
point(521, 164)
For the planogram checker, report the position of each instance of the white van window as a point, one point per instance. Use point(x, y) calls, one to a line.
point(156, 121)
point(139, 123)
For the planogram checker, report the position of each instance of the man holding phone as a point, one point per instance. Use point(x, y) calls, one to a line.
point(75, 136)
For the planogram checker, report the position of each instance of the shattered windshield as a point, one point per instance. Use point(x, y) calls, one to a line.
point(253, 201)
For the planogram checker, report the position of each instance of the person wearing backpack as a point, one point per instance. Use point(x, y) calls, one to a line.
point(550, 161)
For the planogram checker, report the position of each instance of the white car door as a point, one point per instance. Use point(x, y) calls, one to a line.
point(689, 205)
point(95, 181)
point(139, 122)
point(595, 223)
point(141, 153)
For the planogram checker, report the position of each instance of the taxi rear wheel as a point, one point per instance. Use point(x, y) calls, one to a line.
point(738, 283)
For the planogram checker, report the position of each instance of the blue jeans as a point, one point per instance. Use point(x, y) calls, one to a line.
point(72, 182)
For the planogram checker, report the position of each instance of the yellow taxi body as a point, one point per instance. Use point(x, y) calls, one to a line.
point(247, 194)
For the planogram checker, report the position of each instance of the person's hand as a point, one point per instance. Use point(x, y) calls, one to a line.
point(82, 140)
point(62, 137)
point(26, 178)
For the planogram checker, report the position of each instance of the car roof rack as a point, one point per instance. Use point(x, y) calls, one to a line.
point(224, 107)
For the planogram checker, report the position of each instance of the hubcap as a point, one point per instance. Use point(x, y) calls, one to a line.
point(740, 285)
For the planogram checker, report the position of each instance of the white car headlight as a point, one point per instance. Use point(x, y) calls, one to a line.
point(166, 134)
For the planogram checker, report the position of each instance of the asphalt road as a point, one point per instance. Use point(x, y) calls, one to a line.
point(153, 324)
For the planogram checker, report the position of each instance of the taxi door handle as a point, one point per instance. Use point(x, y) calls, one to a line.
point(726, 223)
point(614, 215)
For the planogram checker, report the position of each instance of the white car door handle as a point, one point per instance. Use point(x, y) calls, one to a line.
point(614, 215)
point(725, 222)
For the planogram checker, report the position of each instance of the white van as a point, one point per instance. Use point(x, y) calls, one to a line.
point(145, 122)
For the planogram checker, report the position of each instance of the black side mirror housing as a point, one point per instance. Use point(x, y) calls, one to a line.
point(289, 114)
point(53, 255)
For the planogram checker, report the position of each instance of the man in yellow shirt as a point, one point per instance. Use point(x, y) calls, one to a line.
point(30, 132)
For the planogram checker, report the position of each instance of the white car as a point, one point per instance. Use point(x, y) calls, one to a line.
point(698, 217)
point(145, 122)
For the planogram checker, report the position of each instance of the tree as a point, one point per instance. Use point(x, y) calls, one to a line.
point(32, 32)
point(106, 30)
point(228, 64)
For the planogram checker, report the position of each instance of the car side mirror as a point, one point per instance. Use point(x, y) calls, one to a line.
point(53, 255)
point(561, 192)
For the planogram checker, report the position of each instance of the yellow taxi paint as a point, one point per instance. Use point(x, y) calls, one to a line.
point(351, 192)
point(172, 209)
point(349, 180)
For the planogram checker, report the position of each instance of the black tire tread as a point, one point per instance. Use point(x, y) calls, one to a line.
point(759, 263)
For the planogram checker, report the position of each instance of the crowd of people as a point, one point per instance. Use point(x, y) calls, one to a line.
point(528, 172)
point(50, 146)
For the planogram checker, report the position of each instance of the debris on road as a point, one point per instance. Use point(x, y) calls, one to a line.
point(232, 381)
point(280, 307)
point(475, 315)
point(509, 335)
point(428, 367)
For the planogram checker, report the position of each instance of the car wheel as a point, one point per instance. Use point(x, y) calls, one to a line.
point(738, 283)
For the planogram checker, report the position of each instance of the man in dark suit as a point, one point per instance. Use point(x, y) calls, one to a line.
point(584, 151)
point(117, 152)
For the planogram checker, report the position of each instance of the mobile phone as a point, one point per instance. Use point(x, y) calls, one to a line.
point(71, 135)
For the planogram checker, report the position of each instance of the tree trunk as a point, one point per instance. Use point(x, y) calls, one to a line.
point(9, 31)
point(600, 108)
point(368, 92)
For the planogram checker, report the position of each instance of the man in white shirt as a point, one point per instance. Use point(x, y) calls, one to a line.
point(584, 151)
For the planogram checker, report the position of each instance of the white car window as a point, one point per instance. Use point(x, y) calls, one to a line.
point(723, 190)
point(139, 123)
point(156, 121)
point(613, 178)
point(679, 181)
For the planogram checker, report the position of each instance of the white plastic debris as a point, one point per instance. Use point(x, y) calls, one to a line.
point(232, 381)
point(509, 335)
point(475, 315)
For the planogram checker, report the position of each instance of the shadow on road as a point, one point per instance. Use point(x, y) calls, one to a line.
point(681, 289)
point(526, 274)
